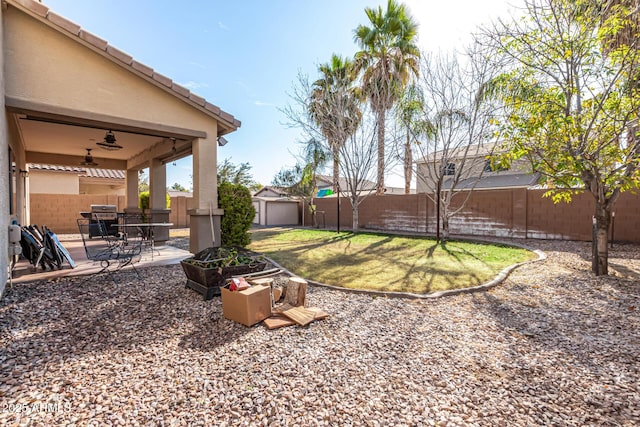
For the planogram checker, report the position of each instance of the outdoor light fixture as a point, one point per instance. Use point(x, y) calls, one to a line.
point(109, 142)
point(221, 141)
point(88, 159)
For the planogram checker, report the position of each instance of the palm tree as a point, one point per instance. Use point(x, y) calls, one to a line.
point(334, 106)
point(409, 113)
point(387, 59)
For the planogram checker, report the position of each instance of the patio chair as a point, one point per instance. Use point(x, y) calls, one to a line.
point(112, 253)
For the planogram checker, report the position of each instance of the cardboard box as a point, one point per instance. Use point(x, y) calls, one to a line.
point(249, 306)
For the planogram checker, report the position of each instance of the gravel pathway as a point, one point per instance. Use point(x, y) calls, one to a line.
point(553, 345)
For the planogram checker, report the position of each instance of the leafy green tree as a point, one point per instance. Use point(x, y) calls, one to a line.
point(177, 187)
point(334, 106)
point(239, 213)
point(236, 174)
point(572, 102)
point(388, 58)
point(143, 181)
point(301, 180)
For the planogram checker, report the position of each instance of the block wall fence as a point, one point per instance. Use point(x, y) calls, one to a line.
point(59, 212)
point(517, 213)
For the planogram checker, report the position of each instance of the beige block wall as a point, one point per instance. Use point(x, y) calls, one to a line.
point(60, 212)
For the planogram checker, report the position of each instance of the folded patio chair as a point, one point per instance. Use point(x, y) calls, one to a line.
point(112, 254)
point(55, 246)
point(35, 250)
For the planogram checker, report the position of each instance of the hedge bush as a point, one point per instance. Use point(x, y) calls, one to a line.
point(143, 201)
point(239, 212)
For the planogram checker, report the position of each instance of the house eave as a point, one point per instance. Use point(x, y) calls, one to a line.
point(226, 122)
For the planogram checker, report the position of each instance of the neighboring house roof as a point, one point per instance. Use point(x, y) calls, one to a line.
point(398, 190)
point(83, 172)
point(274, 199)
point(277, 191)
point(475, 150)
point(324, 181)
point(495, 181)
point(126, 61)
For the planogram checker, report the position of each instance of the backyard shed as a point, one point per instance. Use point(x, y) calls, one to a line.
point(276, 211)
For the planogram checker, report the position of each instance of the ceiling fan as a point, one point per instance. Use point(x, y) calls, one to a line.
point(88, 159)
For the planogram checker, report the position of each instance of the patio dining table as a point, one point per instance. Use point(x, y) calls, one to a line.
point(147, 230)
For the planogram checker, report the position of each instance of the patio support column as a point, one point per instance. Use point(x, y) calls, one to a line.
point(157, 198)
point(131, 182)
point(205, 214)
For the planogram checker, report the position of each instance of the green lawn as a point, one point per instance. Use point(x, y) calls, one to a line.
point(384, 262)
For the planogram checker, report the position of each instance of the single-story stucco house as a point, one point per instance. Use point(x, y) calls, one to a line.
point(67, 93)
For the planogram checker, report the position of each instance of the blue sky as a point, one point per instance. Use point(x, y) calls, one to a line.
point(244, 55)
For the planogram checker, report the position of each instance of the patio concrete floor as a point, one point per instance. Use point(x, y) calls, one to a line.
point(25, 272)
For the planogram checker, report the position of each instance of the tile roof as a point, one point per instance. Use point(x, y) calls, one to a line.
point(103, 173)
point(56, 168)
point(121, 58)
point(280, 191)
point(84, 172)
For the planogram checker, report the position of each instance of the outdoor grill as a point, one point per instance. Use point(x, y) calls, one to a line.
point(105, 213)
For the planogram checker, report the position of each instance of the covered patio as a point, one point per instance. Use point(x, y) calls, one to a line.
point(70, 98)
point(23, 271)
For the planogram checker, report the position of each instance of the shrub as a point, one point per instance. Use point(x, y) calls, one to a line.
point(143, 201)
point(239, 212)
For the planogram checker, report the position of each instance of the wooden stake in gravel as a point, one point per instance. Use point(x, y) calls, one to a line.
point(296, 294)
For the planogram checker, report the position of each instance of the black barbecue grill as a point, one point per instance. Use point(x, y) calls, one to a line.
point(108, 214)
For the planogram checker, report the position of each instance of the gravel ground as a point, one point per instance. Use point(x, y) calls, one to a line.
point(553, 345)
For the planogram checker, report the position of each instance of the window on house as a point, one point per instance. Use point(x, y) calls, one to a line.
point(450, 169)
point(489, 167)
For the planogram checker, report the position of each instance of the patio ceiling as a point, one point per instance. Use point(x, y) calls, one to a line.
point(64, 140)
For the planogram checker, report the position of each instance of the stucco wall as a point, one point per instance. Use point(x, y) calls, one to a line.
point(473, 167)
point(46, 66)
point(101, 189)
point(4, 168)
point(43, 182)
